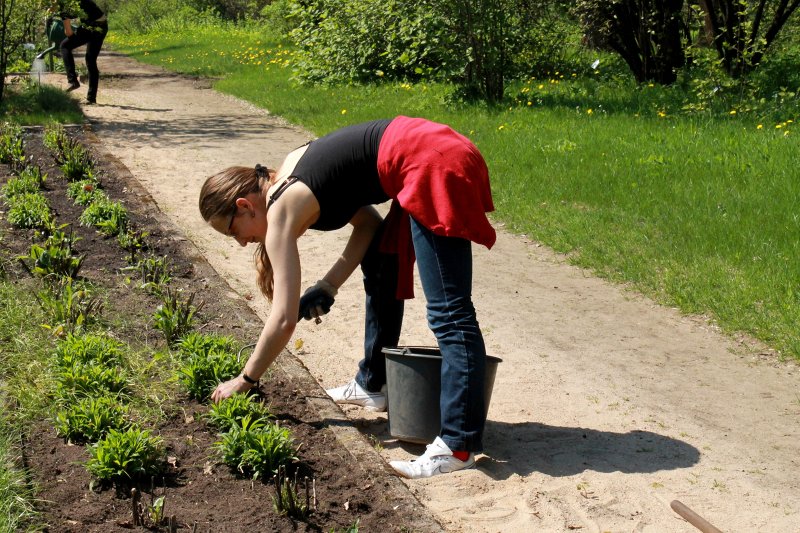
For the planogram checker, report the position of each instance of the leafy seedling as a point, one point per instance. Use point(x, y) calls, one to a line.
point(256, 449)
point(233, 410)
point(126, 455)
point(90, 418)
point(175, 316)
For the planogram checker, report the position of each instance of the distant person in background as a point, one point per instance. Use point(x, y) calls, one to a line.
point(91, 32)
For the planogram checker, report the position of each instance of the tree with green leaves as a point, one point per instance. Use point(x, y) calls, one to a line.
point(743, 30)
point(20, 20)
point(647, 34)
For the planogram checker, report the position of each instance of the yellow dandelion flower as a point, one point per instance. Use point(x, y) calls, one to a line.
point(760, 127)
point(541, 86)
point(530, 103)
point(501, 127)
point(778, 126)
point(733, 112)
point(589, 111)
point(662, 114)
point(344, 111)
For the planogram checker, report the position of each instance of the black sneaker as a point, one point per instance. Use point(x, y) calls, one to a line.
point(73, 85)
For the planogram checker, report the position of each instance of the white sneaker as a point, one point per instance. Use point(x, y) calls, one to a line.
point(437, 459)
point(353, 393)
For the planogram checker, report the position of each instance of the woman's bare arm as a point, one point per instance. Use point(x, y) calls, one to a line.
point(365, 224)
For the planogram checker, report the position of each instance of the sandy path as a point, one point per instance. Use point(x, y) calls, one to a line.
point(606, 407)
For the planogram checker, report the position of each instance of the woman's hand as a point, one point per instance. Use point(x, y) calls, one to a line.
point(229, 388)
point(68, 28)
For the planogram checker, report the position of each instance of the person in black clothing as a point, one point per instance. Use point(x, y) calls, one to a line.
point(91, 32)
point(438, 183)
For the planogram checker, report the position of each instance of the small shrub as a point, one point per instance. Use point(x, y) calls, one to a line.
point(255, 449)
point(110, 218)
point(70, 306)
point(17, 186)
point(12, 150)
point(156, 273)
point(126, 455)
point(88, 348)
point(55, 137)
point(29, 181)
point(175, 316)
point(196, 343)
point(89, 419)
point(201, 373)
point(133, 242)
point(90, 379)
point(233, 410)
point(30, 211)
point(85, 192)
point(76, 162)
point(55, 257)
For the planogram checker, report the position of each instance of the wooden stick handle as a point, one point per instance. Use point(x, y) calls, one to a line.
point(693, 518)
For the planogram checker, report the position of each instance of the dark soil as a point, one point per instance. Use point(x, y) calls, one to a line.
point(202, 494)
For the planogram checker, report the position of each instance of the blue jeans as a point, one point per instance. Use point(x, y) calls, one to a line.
point(445, 268)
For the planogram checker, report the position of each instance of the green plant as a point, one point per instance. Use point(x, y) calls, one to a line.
point(337, 40)
point(76, 161)
point(55, 257)
point(175, 316)
point(287, 500)
point(197, 343)
point(201, 373)
point(88, 419)
point(29, 210)
point(55, 137)
point(233, 410)
point(85, 192)
point(88, 348)
point(12, 151)
point(155, 511)
point(70, 305)
point(126, 455)
point(29, 180)
point(155, 272)
point(110, 218)
point(17, 508)
point(88, 379)
point(256, 449)
point(133, 242)
point(350, 529)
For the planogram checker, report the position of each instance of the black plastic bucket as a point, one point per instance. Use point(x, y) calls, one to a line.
point(413, 379)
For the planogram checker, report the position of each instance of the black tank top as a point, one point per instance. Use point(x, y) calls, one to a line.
point(341, 169)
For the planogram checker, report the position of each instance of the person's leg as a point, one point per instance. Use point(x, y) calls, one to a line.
point(67, 46)
point(445, 269)
point(384, 314)
point(93, 46)
point(384, 319)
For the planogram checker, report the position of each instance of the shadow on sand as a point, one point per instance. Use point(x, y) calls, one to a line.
point(528, 447)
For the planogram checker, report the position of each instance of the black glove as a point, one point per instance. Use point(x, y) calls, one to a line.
point(317, 300)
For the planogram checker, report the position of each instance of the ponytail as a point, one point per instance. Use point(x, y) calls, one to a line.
point(218, 199)
point(264, 278)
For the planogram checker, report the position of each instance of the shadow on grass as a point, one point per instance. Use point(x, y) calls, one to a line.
point(29, 103)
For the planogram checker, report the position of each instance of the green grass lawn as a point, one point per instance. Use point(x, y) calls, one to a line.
point(697, 211)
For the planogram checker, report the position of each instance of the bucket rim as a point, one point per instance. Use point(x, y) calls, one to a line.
point(409, 351)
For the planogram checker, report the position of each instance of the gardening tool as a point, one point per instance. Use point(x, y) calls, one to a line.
point(693, 518)
point(54, 29)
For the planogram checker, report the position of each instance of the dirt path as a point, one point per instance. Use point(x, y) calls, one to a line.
point(606, 407)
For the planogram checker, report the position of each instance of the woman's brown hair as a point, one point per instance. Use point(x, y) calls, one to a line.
point(218, 199)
